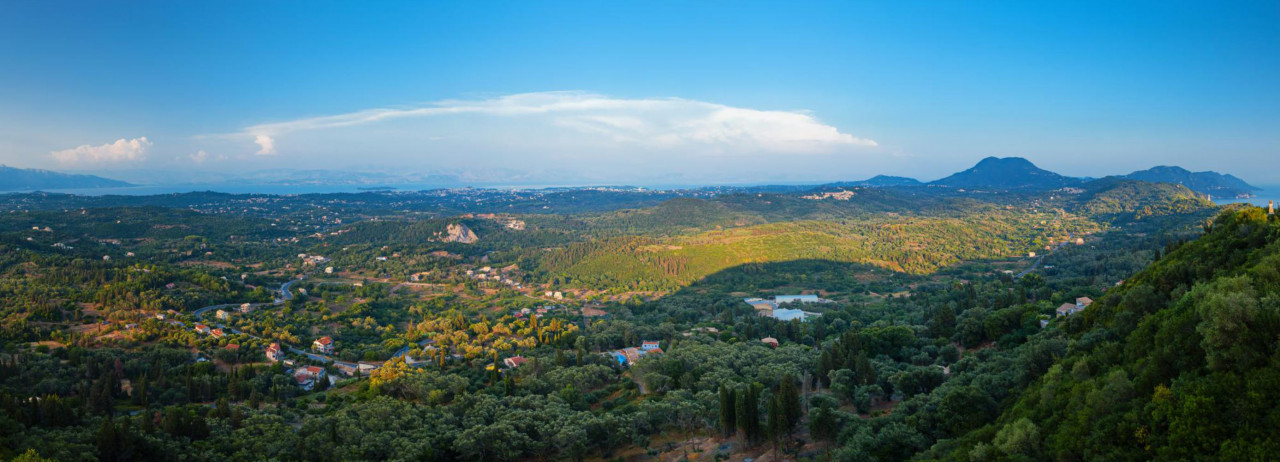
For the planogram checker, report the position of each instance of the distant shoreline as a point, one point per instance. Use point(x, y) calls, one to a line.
point(1258, 197)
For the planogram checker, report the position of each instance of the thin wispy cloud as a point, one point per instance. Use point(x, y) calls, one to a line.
point(121, 150)
point(650, 123)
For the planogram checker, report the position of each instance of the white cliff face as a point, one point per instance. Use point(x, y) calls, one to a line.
point(458, 232)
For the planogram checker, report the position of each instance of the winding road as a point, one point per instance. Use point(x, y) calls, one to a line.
point(285, 295)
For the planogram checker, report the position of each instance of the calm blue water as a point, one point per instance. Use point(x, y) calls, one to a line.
point(1268, 193)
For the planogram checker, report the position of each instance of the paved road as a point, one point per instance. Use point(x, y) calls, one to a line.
point(284, 290)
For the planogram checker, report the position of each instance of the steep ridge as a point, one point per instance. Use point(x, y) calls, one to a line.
point(1179, 362)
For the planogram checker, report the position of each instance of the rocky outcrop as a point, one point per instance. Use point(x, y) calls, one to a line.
point(458, 232)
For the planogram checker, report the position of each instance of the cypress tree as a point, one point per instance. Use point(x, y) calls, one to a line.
point(728, 406)
point(748, 414)
point(777, 421)
point(741, 412)
point(789, 402)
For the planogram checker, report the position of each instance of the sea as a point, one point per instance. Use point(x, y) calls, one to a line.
point(1260, 198)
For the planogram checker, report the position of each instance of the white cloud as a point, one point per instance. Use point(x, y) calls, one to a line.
point(200, 156)
point(671, 124)
point(266, 144)
point(121, 150)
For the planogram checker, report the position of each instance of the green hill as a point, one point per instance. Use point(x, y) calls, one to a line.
point(1181, 362)
point(1114, 199)
point(1213, 183)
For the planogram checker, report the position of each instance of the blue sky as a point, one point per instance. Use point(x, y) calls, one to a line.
point(612, 92)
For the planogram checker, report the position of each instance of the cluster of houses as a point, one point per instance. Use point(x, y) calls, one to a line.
point(245, 308)
point(509, 222)
point(312, 260)
point(495, 275)
point(629, 356)
point(1068, 309)
point(305, 376)
point(776, 308)
point(205, 330)
point(841, 195)
point(536, 312)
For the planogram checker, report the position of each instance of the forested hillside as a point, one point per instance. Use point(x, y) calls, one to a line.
point(1179, 362)
point(1112, 199)
point(506, 347)
point(914, 245)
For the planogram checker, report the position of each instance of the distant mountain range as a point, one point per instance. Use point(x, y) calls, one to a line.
point(1012, 173)
point(1212, 183)
point(20, 179)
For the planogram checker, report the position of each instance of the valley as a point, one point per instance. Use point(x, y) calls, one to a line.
point(243, 326)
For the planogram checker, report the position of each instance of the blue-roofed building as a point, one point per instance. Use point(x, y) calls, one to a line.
point(619, 357)
point(783, 314)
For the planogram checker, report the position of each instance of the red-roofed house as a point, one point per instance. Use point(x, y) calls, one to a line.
point(307, 376)
point(274, 353)
point(648, 345)
point(323, 345)
point(202, 329)
point(514, 361)
point(233, 346)
point(773, 342)
point(217, 333)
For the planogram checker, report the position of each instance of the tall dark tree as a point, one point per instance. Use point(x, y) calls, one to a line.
point(944, 322)
point(777, 422)
point(789, 401)
point(823, 422)
point(109, 447)
point(728, 406)
point(748, 414)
